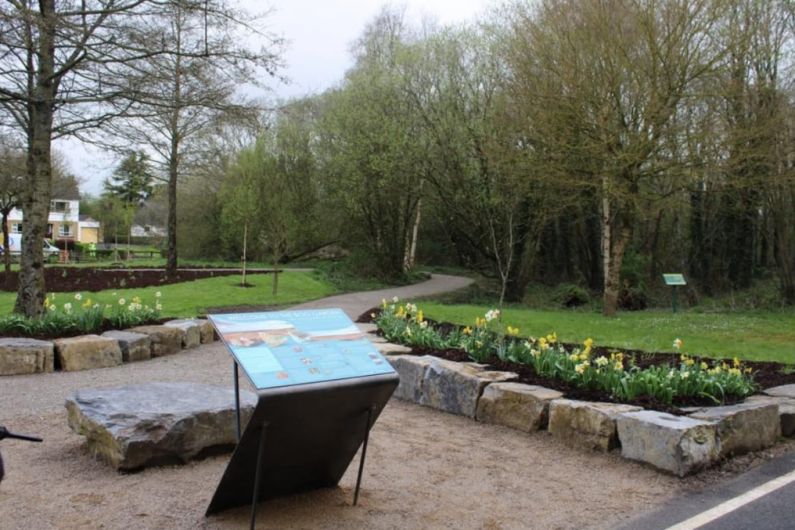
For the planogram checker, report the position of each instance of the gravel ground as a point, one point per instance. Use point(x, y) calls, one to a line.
point(425, 469)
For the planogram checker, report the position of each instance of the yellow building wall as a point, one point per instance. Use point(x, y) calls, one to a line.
point(89, 235)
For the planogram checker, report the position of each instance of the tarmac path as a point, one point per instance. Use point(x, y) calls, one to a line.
point(425, 469)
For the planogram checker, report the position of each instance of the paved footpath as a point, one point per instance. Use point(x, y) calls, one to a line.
point(354, 304)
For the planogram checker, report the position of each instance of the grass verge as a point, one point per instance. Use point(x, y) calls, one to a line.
point(753, 336)
point(189, 299)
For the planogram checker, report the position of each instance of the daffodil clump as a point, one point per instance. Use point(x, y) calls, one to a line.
point(406, 324)
point(79, 314)
point(614, 373)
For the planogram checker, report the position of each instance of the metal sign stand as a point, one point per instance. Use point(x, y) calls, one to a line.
point(674, 280)
point(303, 436)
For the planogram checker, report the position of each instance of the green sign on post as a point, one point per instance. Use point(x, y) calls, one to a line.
point(674, 280)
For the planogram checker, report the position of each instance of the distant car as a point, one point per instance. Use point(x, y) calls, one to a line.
point(15, 246)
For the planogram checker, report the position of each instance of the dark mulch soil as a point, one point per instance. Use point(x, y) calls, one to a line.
point(766, 374)
point(69, 279)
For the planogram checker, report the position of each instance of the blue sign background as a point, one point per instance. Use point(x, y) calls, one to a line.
point(283, 348)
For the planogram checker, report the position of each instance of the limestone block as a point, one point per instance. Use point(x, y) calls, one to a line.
point(411, 370)
point(26, 356)
point(786, 412)
point(87, 352)
point(387, 348)
point(165, 340)
point(367, 328)
point(743, 428)
point(677, 444)
point(787, 391)
point(516, 405)
point(151, 424)
point(191, 332)
point(456, 387)
point(585, 424)
point(134, 346)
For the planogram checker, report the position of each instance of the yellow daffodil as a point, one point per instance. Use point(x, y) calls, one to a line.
point(703, 365)
point(552, 338)
point(420, 316)
point(512, 331)
point(588, 343)
point(736, 362)
point(678, 344)
point(467, 331)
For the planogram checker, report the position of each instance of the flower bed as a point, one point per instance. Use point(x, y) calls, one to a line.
point(662, 381)
point(80, 315)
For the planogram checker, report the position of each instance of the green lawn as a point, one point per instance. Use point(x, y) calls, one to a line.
point(189, 299)
point(758, 336)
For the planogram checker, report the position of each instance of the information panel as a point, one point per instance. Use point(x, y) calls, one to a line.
point(284, 348)
point(674, 279)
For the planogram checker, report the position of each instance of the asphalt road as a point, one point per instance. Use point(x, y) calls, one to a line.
point(760, 499)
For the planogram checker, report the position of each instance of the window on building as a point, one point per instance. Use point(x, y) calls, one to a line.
point(16, 228)
point(59, 206)
point(65, 230)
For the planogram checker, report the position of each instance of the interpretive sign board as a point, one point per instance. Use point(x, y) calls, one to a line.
point(321, 386)
point(285, 348)
point(674, 279)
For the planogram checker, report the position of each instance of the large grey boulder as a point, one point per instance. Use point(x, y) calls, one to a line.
point(26, 356)
point(191, 331)
point(677, 444)
point(411, 370)
point(516, 405)
point(585, 424)
point(743, 428)
point(786, 412)
point(134, 346)
point(87, 352)
point(165, 340)
point(151, 424)
point(456, 387)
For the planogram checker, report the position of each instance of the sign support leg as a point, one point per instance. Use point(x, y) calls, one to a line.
point(237, 398)
point(258, 476)
point(364, 454)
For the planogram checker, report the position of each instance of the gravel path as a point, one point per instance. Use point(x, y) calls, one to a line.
point(425, 469)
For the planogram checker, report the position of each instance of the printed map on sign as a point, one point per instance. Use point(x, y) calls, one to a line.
point(282, 348)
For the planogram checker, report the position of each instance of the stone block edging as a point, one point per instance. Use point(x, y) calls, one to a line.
point(19, 356)
point(680, 445)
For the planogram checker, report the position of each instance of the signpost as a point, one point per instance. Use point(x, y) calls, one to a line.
point(321, 386)
point(674, 280)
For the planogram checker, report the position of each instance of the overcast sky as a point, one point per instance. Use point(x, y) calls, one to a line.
point(319, 35)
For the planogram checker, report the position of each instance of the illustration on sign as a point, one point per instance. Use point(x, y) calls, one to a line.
point(282, 348)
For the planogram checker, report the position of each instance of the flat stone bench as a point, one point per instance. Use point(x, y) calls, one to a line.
point(138, 426)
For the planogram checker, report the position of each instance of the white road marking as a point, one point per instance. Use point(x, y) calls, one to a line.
point(722, 509)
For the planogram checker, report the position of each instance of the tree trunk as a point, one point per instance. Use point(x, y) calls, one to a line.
point(6, 251)
point(411, 255)
point(245, 239)
point(610, 287)
point(36, 199)
point(275, 282)
point(173, 167)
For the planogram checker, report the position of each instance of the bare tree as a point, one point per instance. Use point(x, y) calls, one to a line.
point(180, 95)
point(64, 68)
